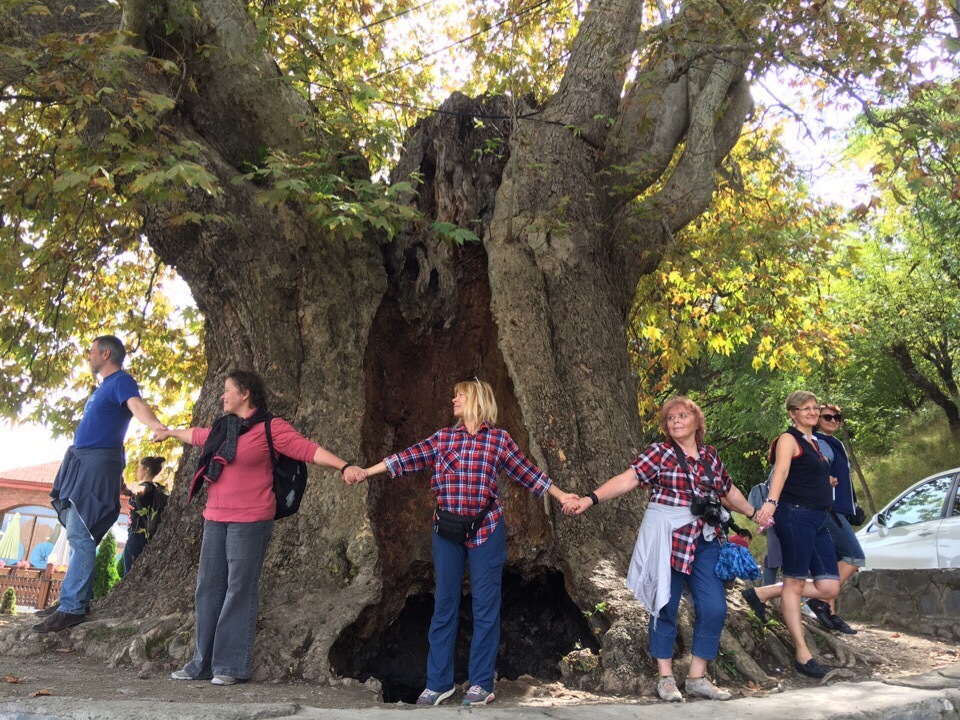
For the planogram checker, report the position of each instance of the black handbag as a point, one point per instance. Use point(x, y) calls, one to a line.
point(859, 516)
point(459, 528)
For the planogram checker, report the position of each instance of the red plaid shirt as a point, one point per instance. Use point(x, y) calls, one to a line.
point(465, 469)
point(659, 468)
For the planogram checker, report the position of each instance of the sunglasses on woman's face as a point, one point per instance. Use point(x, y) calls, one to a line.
point(831, 418)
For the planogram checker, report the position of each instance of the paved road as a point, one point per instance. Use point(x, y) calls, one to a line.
point(930, 696)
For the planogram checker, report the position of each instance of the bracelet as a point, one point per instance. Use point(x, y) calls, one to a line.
point(775, 503)
point(345, 467)
point(752, 515)
point(593, 496)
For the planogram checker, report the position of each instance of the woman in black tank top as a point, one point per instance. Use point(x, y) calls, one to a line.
point(800, 496)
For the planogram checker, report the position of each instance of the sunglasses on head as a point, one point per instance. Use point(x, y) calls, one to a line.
point(831, 418)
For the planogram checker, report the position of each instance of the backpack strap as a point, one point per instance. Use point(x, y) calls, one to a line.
point(273, 452)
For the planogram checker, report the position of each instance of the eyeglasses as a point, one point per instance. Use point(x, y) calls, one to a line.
point(831, 418)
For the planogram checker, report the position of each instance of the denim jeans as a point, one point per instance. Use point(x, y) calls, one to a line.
point(709, 605)
point(486, 575)
point(805, 543)
point(228, 597)
point(136, 542)
point(845, 543)
point(76, 593)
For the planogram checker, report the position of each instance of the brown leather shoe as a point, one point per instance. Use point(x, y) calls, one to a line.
point(59, 621)
point(48, 611)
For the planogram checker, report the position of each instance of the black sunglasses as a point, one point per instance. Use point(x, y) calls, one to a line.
point(831, 418)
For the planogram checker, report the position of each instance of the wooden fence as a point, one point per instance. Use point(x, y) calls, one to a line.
point(34, 588)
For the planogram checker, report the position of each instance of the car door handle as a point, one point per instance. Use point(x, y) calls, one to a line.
point(924, 533)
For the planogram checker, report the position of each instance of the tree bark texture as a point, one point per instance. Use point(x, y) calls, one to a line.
point(361, 341)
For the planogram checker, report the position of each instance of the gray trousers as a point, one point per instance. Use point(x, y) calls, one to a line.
point(228, 597)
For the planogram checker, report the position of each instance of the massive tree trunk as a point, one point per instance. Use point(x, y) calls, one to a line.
point(361, 340)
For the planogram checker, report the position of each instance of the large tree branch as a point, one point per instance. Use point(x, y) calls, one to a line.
point(718, 109)
point(230, 89)
point(22, 32)
point(238, 99)
point(901, 353)
point(690, 187)
point(593, 81)
point(640, 149)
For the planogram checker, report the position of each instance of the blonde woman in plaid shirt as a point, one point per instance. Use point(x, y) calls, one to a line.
point(675, 547)
point(466, 461)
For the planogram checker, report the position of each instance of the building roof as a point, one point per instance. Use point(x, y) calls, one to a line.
point(43, 474)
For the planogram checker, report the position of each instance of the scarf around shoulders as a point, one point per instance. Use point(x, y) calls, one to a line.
point(221, 446)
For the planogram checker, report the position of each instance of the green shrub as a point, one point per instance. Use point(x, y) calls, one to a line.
point(8, 606)
point(105, 569)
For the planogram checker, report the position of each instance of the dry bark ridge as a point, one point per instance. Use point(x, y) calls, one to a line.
point(361, 342)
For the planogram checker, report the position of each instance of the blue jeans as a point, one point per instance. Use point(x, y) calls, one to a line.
point(845, 542)
point(709, 605)
point(486, 575)
point(136, 542)
point(805, 543)
point(228, 597)
point(76, 593)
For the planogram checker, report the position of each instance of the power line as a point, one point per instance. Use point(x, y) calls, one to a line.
point(479, 116)
point(391, 17)
point(452, 45)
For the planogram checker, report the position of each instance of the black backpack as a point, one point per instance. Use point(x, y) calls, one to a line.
point(289, 479)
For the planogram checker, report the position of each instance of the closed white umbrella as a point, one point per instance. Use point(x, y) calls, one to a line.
point(10, 542)
point(60, 554)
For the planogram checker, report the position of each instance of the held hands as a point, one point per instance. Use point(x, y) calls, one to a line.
point(577, 505)
point(354, 475)
point(162, 434)
point(764, 516)
point(565, 497)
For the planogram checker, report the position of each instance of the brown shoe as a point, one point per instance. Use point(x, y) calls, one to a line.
point(59, 621)
point(48, 611)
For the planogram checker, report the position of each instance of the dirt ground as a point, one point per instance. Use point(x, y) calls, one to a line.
point(68, 673)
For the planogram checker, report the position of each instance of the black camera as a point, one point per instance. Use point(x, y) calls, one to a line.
point(707, 506)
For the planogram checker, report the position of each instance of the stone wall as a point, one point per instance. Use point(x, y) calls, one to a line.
point(918, 601)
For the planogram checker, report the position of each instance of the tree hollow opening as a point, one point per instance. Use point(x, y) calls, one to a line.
point(539, 624)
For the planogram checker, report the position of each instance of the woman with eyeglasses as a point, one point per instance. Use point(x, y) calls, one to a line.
point(468, 527)
point(800, 497)
point(679, 541)
point(850, 555)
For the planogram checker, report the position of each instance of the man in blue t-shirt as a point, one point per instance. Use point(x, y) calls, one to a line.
point(86, 493)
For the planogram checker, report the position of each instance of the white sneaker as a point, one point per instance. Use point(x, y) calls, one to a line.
point(667, 689)
point(702, 687)
point(224, 680)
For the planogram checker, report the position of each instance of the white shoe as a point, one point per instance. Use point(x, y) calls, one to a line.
point(667, 689)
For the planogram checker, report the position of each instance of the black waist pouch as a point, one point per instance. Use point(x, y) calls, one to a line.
point(459, 528)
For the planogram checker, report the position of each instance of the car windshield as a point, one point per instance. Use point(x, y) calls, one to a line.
point(921, 504)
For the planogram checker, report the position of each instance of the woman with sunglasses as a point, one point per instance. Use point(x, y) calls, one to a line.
point(466, 461)
point(679, 541)
point(800, 497)
point(850, 555)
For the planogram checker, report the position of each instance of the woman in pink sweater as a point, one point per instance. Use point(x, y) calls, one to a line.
point(237, 470)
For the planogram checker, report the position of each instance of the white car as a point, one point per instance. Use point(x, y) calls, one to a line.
point(920, 529)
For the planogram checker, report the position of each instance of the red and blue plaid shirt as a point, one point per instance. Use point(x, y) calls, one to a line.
point(659, 468)
point(465, 469)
